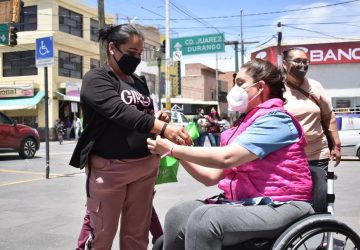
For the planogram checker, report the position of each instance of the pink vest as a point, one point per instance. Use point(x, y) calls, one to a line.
point(283, 175)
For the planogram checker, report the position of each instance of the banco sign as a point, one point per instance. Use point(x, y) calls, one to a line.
point(322, 53)
point(213, 43)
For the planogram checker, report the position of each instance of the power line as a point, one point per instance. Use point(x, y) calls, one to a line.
point(253, 14)
point(301, 9)
point(317, 32)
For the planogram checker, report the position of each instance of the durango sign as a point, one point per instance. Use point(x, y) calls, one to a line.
point(323, 53)
point(203, 44)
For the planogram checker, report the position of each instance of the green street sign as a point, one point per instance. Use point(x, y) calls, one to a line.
point(4, 34)
point(203, 44)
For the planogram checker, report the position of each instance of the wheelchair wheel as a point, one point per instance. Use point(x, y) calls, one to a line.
point(312, 233)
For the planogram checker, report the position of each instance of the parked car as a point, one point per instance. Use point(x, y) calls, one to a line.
point(349, 133)
point(19, 138)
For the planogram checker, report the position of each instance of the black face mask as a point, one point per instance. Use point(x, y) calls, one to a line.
point(127, 63)
point(298, 71)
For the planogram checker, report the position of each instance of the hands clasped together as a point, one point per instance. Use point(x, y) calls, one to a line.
point(173, 134)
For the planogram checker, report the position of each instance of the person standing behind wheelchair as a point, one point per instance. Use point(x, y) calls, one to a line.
point(261, 161)
point(118, 118)
point(311, 106)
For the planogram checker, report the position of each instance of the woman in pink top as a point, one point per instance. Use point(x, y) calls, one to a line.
point(261, 162)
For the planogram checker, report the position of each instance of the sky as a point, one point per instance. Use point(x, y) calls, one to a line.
point(303, 21)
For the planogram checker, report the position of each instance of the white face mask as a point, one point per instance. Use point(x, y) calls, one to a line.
point(238, 98)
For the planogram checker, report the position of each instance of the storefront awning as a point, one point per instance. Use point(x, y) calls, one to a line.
point(349, 92)
point(68, 97)
point(21, 103)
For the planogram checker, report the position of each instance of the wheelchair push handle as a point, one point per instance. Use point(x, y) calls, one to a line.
point(330, 187)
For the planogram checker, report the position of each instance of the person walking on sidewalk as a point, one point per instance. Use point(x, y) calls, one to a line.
point(77, 125)
point(214, 128)
point(118, 118)
point(60, 130)
point(308, 102)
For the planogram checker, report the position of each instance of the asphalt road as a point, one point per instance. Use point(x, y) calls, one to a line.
point(38, 213)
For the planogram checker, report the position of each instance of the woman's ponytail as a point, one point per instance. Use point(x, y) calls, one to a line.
point(105, 33)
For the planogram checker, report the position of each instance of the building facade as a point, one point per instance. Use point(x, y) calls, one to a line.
point(74, 28)
point(199, 87)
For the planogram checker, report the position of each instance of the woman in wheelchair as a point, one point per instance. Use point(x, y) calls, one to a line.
point(261, 168)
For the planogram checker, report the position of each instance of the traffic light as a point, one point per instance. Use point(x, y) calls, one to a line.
point(12, 36)
point(16, 8)
point(162, 47)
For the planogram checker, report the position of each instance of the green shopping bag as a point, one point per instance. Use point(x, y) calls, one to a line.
point(193, 130)
point(168, 170)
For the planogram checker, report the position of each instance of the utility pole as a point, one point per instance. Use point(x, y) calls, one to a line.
point(117, 18)
point(101, 17)
point(279, 38)
point(217, 81)
point(241, 38)
point(167, 56)
point(236, 44)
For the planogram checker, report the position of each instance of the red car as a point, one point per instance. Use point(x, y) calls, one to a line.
point(18, 137)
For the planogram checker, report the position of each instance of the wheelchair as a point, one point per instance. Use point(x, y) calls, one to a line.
point(318, 231)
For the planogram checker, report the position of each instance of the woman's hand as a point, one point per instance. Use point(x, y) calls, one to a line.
point(178, 135)
point(335, 155)
point(159, 146)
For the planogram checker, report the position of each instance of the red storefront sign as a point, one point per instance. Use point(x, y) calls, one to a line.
point(323, 53)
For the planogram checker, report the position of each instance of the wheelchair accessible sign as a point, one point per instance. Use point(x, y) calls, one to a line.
point(44, 52)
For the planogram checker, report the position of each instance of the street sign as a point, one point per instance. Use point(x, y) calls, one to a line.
point(44, 52)
point(4, 34)
point(192, 45)
point(177, 55)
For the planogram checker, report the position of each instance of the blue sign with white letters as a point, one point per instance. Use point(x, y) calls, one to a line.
point(44, 51)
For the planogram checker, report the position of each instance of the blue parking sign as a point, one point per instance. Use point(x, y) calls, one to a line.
point(44, 52)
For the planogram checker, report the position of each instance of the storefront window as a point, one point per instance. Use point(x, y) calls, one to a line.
point(342, 103)
point(70, 65)
point(28, 21)
point(70, 22)
point(21, 63)
point(94, 30)
point(148, 53)
point(31, 121)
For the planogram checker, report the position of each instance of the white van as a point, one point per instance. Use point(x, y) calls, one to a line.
point(179, 118)
point(349, 133)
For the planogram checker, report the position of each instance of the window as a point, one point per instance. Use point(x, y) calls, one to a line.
point(94, 63)
point(70, 22)
point(94, 30)
point(70, 65)
point(350, 123)
point(5, 120)
point(21, 63)
point(343, 103)
point(28, 21)
point(148, 53)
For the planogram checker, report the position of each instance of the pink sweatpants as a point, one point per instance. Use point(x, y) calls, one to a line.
point(121, 187)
